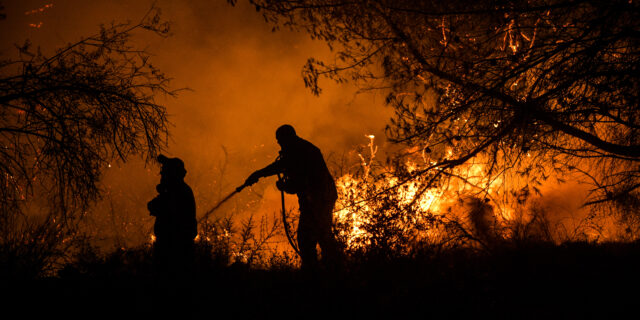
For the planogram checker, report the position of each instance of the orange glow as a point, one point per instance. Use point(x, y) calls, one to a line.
point(503, 207)
point(246, 82)
point(39, 10)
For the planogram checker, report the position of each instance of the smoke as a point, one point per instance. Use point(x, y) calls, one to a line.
point(244, 81)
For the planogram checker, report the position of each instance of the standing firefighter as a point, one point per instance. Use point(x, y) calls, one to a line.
point(305, 173)
point(175, 227)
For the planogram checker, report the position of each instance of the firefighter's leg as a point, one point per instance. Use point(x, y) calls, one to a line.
point(328, 244)
point(307, 240)
point(161, 255)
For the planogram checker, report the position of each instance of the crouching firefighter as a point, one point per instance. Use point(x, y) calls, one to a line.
point(303, 171)
point(175, 226)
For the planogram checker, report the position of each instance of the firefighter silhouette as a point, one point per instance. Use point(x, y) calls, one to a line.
point(175, 225)
point(305, 173)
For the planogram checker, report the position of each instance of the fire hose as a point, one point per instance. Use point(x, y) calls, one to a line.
point(287, 230)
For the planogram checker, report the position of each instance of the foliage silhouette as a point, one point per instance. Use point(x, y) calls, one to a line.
point(533, 87)
point(529, 281)
point(65, 117)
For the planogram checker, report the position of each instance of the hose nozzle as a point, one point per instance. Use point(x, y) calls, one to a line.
point(238, 189)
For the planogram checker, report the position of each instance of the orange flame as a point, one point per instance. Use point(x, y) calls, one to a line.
point(355, 204)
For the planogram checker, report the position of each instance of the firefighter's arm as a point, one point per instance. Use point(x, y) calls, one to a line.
point(270, 170)
point(156, 206)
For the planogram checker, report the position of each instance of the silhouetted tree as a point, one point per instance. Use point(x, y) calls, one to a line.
point(535, 86)
point(65, 117)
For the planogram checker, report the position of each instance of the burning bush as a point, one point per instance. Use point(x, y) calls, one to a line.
point(387, 208)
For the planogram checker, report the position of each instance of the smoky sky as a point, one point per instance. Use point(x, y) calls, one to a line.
point(243, 82)
point(244, 79)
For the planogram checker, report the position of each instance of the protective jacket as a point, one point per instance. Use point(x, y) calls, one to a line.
point(175, 210)
point(305, 171)
point(306, 174)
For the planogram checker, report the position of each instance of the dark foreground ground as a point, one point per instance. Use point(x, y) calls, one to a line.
point(570, 281)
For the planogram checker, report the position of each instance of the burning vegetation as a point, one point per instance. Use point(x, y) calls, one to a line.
point(495, 105)
point(383, 207)
point(491, 100)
